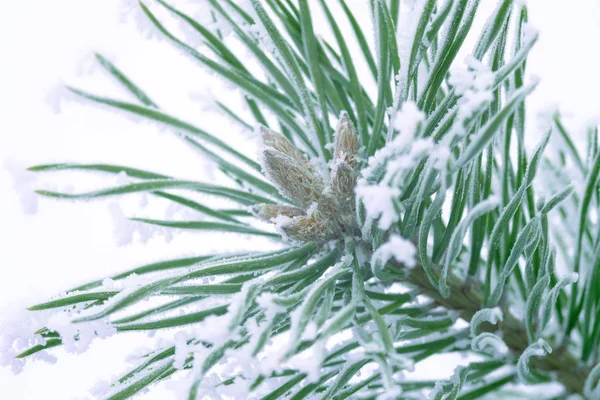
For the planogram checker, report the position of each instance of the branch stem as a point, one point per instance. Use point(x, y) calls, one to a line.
point(467, 300)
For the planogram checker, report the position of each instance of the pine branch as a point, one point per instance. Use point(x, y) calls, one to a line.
point(468, 299)
point(441, 139)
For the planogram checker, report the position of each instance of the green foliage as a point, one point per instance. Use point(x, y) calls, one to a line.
point(458, 221)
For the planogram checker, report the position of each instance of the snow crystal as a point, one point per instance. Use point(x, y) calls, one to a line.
point(246, 6)
point(221, 25)
point(483, 77)
point(100, 389)
point(217, 330)
point(544, 118)
point(56, 95)
point(399, 248)
point(122, 179)
point(529, 32)
point(409, 18)
point(310, 211)
point(309, 361)
point(399, 156)
point(269, 307)
point(419, 149)
point(108, 283)
point(310, 332)
point(132, 13)
point(214, 329)
point(16, 336)
point(259, 32)
point(23, 183)
point(144, 200)
point(138, 354)
point(205, 100)
point(181, 349)
point(86, 63)
point(461, 79)
point(408, 119)
point(474, 84)
point(280, 222)
point(390, 394)
point(123, 228)
point(440, 156)
point(77, 337)
point(379, 203)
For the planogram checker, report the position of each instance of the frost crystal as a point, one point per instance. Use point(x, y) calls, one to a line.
point(259, 32)
point(16, 337)
point(76, 338)
point(310, 362)
point(408, 119)
point(390, 394)
point(132, 12)
point(123, 229)
point(379, 203)
point(57, 95)
point(476, 78)
point(474, 85)
point(402, 250)
point(381, 195)
point(23, 183)
point(100, 389)
point(181, 349)
point(529, 32)
point(265, 301)
point(404, 151)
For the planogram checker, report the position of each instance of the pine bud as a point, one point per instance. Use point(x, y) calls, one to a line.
point(293, 179)
point(346, 141)
point(314, 226)
point(342, 182)
point(330, 209)
point(266, 212)
point(277, 141)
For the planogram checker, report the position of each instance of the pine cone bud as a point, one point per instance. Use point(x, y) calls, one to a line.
point(342, 182)
point(293, 179)
point(266, 212)
point(311, 227)
point(346, 141)
point(277, 141)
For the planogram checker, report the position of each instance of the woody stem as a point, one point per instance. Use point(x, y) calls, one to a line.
point(468, 299)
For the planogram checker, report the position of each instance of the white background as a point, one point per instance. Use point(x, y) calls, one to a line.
point(43, 42)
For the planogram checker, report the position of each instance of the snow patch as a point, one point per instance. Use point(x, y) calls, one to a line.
point(398, 248)
point(23, 182)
